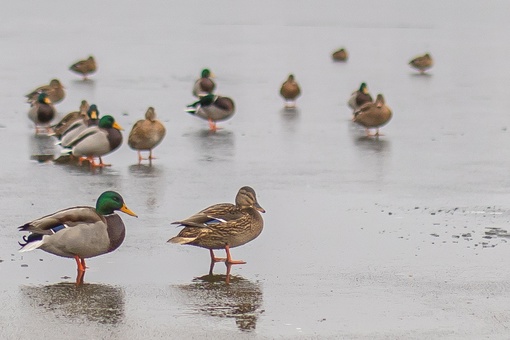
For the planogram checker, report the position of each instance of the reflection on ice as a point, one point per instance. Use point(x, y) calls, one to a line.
point(92, 302)
point(241, 300)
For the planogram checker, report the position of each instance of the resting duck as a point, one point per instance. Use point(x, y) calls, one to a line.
point(70, 118)
point(422, 63)
point(223, 226)
point(84, 67)
point(146, 134)
point(204, 85)
point(373, 115)
point(360, 97)
point(290, 91)
point(96, 141)
point(214, 108)
point(42, 113)
point(54, 90)
point(91, 118)
point(79, 232)
point(340, 55)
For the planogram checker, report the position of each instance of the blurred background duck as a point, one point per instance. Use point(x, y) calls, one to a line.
point(77, 126)
point(290, 90)
point(71, 117)
point(54, 90)
point(223, 226)
point(373, 115)
point(42, 113)
point(96, 141)
point(213, 108)
point(204, 85)
point(360, 97)
point(84, 67)
point(146, 134)
point(422, 63)
point(79, 232)
point(340, 55)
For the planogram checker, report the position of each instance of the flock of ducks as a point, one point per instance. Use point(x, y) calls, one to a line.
point(83, 232)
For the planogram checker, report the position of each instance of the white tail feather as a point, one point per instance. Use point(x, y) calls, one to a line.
point(31, 246)
point(181, 240)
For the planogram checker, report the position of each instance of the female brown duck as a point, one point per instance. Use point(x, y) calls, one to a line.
point(223, 226)
point(373, 115)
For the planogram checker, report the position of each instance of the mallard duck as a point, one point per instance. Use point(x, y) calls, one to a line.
point(70, 118)
point(42, 112)
point(212, 107)
point(290, 91)
point(360, 97)
point(223, 226)
point(373, 115)
point(146, 134)
point(340, 55)
point(91, 118)
point(422, 63)
point(79, 232)
point(204, 85)
point(84, 67)
point(96, 141)
point(54, 90)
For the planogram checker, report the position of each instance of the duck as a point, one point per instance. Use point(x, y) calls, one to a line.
point(223, 226)
point(96, 141)
point(204, 85)
point(84, 67)
point(340, 55)
point(290, 90)
point(79, 232)
point(373, 115)
point(422, 63)
point(42, 113)
point(91, 118)
point(54, 90)
point(146, 134)
point(70, 118)
point(360, 97)
point(213, 108)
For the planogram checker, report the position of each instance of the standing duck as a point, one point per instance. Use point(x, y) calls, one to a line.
point(54, 90)
point(42, 112)
point(422, 63)
point(212, 107)
point(223, 226)
point(79, 232)
point(373, 115)
point(340, 55)
point(146, 134)
point(204, 85)
point(84, 67)
point(360, 97)
point(290, 91)
point(96, 141)
point(70, 118)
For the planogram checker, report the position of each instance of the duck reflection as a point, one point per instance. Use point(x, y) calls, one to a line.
point(42, 147)
point(374, 144)
point(241, 300)
point(290, 118)
point(214, 146)
point(93, 302)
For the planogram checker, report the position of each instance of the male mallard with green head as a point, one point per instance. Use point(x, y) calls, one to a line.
point(373, 115)
point(84, 67)
point(213, 108)
point(223, 226)
point(96, 141)
point(422, 63)
point(91, 118)
point(42, 113)
point(360, 97)
point(290, 90)
point(79, 232)
point(54, 90)
point(204, 85)
point(146, 134)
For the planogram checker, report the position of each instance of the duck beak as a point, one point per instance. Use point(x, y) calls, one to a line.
point(47, 100)
point(212, 75)
point(93, 115)
point(117, 126)
point(126, 210)
point(259, 208)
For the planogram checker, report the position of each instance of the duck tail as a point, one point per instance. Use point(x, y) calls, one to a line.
point(181, 240)
point(66, 151)
point(33, 241)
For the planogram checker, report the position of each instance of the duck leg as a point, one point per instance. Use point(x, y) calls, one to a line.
point(212, 125)
point(79, 278)
point(80, 263)
point(227, 274)
point(140, 158)
point(214, 259)
point(229, 258)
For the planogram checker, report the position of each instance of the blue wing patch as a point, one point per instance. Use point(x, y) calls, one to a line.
point(54, 230)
